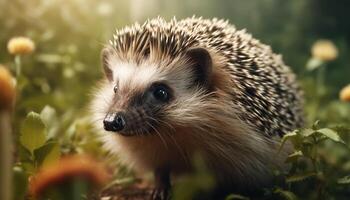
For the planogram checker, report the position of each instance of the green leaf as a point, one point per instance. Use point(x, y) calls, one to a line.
point(48, 116)
point(288, 136)
point(344, 180)
point(236, 196)
point(307, 132)
point(285, 194)
point(47, 154)
point(329, 133)
point(315, 125)
point(33, 132)
point(24, 154)
point(300, 177)
point(294, 156)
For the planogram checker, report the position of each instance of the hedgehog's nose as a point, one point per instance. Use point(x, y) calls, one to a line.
point(114, 122)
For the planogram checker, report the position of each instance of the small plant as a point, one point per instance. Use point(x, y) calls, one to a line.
point(314, 160)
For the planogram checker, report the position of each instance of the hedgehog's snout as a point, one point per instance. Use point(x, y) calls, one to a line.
point(130, 122)
point(114, 122)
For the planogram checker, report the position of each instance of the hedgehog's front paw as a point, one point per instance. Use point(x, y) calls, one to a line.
point(160, 194)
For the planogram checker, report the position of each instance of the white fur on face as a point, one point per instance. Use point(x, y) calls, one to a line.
point(130, 75)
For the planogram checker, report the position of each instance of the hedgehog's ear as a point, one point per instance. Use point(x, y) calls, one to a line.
point(201, 62)
point(105, 54)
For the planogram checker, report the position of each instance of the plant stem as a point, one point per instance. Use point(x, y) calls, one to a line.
point(6, 156)
point(320, 80)
point(314, 159)
point(320, 88)
point(18, 65)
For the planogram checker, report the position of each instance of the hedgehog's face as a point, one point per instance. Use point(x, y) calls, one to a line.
point(140, 97)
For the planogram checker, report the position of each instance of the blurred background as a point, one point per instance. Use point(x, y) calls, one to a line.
point(70, 34)
point(57, 78)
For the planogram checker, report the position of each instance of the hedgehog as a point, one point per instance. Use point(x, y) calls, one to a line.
point(172, 89)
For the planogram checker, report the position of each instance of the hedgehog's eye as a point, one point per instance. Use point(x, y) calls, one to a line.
point(161, 93)
point(115, 89)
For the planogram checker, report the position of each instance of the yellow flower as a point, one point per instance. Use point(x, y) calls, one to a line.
point(67, 170)
point(20, 45)
point(344, 94)
point(7, 89)
point(324, 50)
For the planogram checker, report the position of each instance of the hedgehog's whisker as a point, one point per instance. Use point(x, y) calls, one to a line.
point(182, 152)
point(171, 136)
point(157, 132)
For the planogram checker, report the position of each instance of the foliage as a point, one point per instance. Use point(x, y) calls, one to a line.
point(53, 83)
point(313, 163)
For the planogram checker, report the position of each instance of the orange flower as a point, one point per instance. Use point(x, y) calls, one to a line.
point(68, 168)
point(20, 45)
point(7, 89)
point(344, 94)
point(324, 50)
